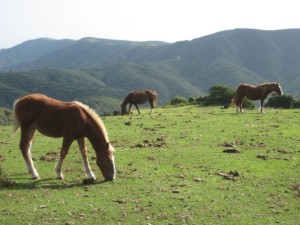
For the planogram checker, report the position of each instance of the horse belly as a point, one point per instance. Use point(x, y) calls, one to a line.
point(50, 129)
point(53, 123)
point(140, 99)
point(253, 96)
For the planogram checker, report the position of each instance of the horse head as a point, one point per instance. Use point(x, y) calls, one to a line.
point(123, 109)
point(106, 162)
point(277, 88)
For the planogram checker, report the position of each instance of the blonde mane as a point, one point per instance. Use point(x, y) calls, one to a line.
point(94, 116)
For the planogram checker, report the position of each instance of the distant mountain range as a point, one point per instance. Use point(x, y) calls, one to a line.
point(100, 72)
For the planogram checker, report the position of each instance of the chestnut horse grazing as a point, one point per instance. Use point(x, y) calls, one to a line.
point(69, 120)
point(139, 97)
point(254, 93)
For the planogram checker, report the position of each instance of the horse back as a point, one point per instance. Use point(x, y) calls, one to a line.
point(50, 116)
point(137, 97)
point(152, 95)
point(249, 91)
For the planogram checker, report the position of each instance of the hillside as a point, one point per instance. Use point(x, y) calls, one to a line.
point(111, 68)
point(29, 50)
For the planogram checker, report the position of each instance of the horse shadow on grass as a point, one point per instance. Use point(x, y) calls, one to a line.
point(48, 183)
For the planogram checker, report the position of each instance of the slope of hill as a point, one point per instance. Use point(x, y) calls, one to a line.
point(102, 88)
point(187, 68)
point(92, 52)
point(66, 85)
point(29, 50)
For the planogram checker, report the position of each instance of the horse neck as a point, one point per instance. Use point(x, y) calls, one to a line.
point(97, 136)
point(265, 90)
point(126, 101)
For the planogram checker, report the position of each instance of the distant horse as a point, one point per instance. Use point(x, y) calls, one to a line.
point(139, 97)
point(69, 120)
point(254, 93)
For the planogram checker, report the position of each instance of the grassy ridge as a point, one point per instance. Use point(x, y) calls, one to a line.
point(169, 167)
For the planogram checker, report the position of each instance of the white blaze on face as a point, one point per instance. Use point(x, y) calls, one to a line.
point(280, 89)
point(111, 149)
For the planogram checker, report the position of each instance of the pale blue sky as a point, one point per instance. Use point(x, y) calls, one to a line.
point(139, 20)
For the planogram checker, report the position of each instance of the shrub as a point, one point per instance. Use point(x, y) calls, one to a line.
point(6, 117)
point(191, 100)
point(248, 104)
point(284, 101)
point(218, 95)
point(296, 104)
point(178, 100)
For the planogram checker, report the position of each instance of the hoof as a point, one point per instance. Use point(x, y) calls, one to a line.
point(89, 180)
point(35, 178)
point(109, 178)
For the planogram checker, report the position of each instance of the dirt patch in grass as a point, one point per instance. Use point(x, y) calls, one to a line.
point(4, 181)
point(157, 143)
point(50, 156)
point(279, 154)
point(232, 175)
point(297, 188)
point(2, 158)
point(231, 150)
point(228, 144)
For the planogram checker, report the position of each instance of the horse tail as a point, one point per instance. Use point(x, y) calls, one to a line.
point(233, 101)
point(16, 123)
point(155, 98)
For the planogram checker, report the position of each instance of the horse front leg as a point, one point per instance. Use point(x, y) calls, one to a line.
point(136, 106)
point(83, 150)
point(63, 152)
point(25, 146)
point(130, 105)
point(261, 106)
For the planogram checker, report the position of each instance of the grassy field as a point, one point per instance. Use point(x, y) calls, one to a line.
point(184, 165)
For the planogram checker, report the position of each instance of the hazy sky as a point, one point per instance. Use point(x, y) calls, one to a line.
point(139, 20)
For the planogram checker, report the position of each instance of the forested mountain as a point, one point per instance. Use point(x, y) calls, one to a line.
point(91, 67)
point(29, 50)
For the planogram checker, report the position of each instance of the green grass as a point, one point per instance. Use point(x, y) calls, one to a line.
point(168, 165)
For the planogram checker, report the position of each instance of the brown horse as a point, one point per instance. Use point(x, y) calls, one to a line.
point(69, 120)
point(139, 97)
point(254, 93)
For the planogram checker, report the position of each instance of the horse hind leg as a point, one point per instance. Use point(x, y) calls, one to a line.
point(238, 106)
point(151, 106)
point(151, 111)
point(83, 150)
point(63, 152)
point(241, 109)
point(25, 146)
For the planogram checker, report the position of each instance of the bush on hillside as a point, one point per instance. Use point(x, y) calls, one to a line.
point(178, 100)
point(284, 101)
point(296, 104)
point(218, 95)
point(6, 117)
point(191, 100)
point(248, 104)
